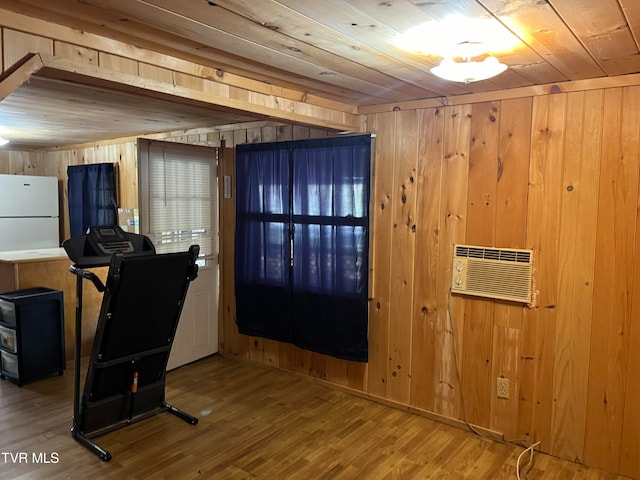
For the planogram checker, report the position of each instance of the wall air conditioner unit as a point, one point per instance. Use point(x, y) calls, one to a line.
point(505, 274)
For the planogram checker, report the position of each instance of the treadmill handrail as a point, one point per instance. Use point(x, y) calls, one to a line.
point(89, 276)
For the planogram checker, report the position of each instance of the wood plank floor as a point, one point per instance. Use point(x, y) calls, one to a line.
point(255, 423)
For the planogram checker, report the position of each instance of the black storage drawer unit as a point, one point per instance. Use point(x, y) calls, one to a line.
point(31, 334)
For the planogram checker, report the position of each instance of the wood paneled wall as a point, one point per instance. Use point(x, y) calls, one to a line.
point(557, 174)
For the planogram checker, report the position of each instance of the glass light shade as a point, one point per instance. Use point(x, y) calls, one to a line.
point(469, 70)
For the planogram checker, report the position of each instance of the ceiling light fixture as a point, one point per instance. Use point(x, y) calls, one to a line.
point(3, 130)
point(467, 46)
point(443, 39)
point(468, 70)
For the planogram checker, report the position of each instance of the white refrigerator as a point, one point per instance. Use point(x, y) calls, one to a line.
point(28, 212)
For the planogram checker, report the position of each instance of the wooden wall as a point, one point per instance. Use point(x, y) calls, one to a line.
point(558, 173)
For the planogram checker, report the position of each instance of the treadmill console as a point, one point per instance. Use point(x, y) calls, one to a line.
point(109, 239)
point(102, 242)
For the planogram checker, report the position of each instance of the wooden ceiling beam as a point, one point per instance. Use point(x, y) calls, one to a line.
point(17, 74)
point(214, 95)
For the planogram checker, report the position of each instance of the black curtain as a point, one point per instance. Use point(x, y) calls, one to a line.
point(330, 246)
point(92, 196)
point(262, 256)
point(302, 243)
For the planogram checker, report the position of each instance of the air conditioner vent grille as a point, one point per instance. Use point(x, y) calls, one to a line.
point(520, 256)
point(504, 274)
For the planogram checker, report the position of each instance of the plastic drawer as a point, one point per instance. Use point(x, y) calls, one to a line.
point(8, 339)
point(9, 364)
point(7, 312)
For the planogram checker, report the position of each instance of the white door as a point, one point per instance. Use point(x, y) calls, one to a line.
point(197, 335)
point(178, 208)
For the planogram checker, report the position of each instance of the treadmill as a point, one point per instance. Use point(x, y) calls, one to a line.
point(143, 297)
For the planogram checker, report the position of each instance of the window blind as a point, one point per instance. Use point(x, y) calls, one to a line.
point(180, 182)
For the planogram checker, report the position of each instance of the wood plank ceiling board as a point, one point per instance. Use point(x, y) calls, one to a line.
point(526, 67)
point(241, 35)
point(312, 27)
point(522, 59)
point(602, 28)
point(354, 24)
point(212, 27)
point(631, 12)
point(269, 22)
point(345, 52)
point(402, 16)
point(120, 26)
point(90, 114)
point(538, 25)
point(312, 31)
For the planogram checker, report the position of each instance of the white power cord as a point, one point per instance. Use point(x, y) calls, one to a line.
point(464, 409)
point(529, 464)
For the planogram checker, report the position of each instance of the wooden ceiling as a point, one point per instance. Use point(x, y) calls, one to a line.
point(45, 113)
point(346, 51)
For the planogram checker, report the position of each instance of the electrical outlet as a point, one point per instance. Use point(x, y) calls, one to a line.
point(502, 387)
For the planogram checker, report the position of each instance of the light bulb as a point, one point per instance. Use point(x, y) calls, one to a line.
point(468, 71)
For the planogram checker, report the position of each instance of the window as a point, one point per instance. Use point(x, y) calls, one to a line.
point(92, 196)
point(177, 184)
point(301, 251)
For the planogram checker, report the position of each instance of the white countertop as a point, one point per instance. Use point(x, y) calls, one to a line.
point(33, 255)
